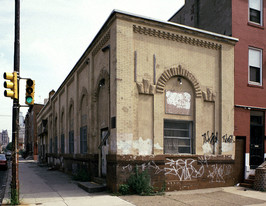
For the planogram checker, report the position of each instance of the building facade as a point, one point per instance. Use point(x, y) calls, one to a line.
point(31, 144)
point(4, 139)
point(21, 136)
point(150, 94)
point(244, 20)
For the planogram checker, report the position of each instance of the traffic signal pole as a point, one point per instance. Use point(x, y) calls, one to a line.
point(15, 112)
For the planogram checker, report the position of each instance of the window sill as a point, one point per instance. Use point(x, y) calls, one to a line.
point(255, 86)
point(256, 25)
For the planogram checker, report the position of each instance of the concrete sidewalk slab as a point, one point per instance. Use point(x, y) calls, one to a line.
point(40, 186)
point(229, 196)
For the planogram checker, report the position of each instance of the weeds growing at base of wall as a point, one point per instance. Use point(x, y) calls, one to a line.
point(14, 196)
point(138, 183)
point(82, 175)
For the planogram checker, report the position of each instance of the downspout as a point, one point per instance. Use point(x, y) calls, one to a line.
point(153, 103)
point(220, 102)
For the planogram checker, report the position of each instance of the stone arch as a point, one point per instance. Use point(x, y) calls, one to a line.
point(55, 124)
point(103, 75)
point(83, 94)
point(70, 115)
point(71, 104)
point(62, 121)
point(62, 112)
point(177, 71)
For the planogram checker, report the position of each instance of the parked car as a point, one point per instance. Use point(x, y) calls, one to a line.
point(3, 162)
point(8, 155)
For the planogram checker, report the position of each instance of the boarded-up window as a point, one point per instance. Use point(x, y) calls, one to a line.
point(178, 103)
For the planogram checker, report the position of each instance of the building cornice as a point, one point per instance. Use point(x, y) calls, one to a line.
point(175, 37)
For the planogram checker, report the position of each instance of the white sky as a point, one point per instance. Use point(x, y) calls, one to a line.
point(53, 36)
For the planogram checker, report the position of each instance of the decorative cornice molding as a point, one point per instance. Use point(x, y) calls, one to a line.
point(101, 43)
point(145, 87)
point(175, 37)
point(177, 71)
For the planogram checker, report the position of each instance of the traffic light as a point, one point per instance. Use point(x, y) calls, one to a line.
point(12, 85)
point(30, 85)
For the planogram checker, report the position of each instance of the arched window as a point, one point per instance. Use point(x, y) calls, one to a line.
point(83, 126)
point(55, 136)
point(71, 130)
point(62, 146)
point(179, 116)
point(51, 138)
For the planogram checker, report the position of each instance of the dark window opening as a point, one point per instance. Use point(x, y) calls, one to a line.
point(254, 74)
point(177, 137)
point(71, 142)
point(254, 15)
point(62, 143)
point(83, 140)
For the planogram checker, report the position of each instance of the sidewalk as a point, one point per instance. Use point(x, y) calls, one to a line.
point(221, 196)
point(39, 186)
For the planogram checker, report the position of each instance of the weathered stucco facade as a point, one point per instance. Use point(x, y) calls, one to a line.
point(149, 93)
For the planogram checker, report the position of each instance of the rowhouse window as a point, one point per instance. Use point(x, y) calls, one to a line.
point(255, 11)
point(255, 68)
point(177, 136)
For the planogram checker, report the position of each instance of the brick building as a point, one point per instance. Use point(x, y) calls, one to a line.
point(4, 139)
point(31, 144)
point(21, 132)
point(149, 93)
point(244, 20)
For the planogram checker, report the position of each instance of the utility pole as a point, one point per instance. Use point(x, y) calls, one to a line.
point(15, 114)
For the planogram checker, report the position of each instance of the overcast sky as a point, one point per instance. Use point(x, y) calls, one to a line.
point(53, 36)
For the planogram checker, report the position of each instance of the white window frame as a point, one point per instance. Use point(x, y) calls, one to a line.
point(249, 81)
point(261, 13)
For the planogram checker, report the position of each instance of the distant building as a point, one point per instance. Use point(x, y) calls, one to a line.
point(31, 144)
point(21, 136)
point(4, 139)
point(246, 21)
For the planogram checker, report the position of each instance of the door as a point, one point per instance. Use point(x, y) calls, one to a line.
point(104, 150)
point(256, 139)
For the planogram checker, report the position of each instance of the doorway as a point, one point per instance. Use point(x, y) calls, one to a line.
point(256, 138)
